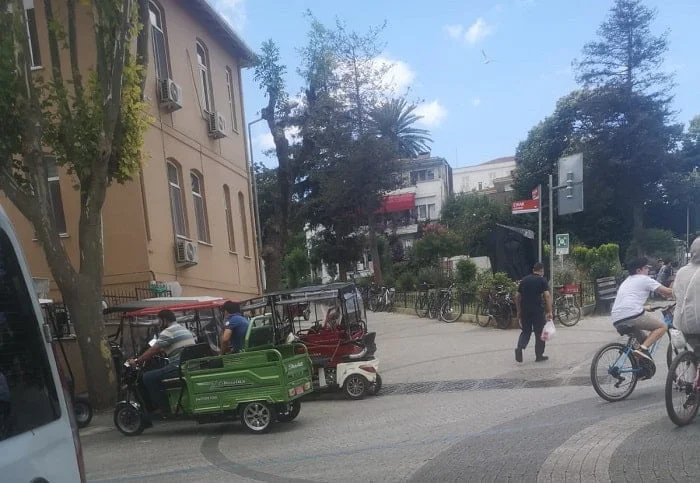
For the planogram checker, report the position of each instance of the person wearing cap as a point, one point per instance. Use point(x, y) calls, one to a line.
point(686, 289)
point(628, 309)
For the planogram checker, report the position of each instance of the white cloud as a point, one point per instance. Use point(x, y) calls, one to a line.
point(454, 31)
point(233, 11)
point(476, 101)
point(399, 75)
point(478, 31)
point(432, 113)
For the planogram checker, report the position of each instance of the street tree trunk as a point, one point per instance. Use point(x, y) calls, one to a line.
point(374, 250)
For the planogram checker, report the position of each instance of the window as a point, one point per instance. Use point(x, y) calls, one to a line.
point(429, 174)
point(480, 185)
point(33, 36)
point(231, 98)
point(55, 194)
point(246, 243)
point(431, 211)
point(422, 212)
point(229, 219)
point(24, 363)
point(160, 53)
point(204, 84)
point(177, 205)
point(200, 207)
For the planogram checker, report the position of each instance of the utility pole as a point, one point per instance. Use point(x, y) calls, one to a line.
point(256, 208)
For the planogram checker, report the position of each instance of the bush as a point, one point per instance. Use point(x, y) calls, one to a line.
point(433, 276)
point(652, 242)
point(406, 282)
point(466, 276)
point(497, 282)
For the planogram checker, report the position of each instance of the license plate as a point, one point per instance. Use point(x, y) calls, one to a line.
point(300, 389)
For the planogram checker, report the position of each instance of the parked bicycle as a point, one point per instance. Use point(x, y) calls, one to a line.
point(566, 309)
point(383, 300)
point(443, 305)
point(498, 306)
point(615, 370)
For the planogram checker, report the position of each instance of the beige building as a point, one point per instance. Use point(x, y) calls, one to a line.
point(187, 217)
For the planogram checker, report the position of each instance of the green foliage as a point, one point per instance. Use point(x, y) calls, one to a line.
point(495, 282)
point(653, 243)
point(433, 276)
point(466, 276)
point(296, 266)
point(472, 217)
point(603, 261)
point(406, 282)
point(394, 120)
point(436, 244)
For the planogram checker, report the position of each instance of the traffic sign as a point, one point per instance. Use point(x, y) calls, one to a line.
point(562, 243)
point(525, 206)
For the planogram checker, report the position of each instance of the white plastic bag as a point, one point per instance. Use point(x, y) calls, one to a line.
point(548, 331)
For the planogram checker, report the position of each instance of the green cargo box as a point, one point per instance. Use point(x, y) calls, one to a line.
point(215, 384)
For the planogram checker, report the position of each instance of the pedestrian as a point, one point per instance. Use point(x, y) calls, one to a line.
point(686, 291)
point(665, 272)
point(530, 311)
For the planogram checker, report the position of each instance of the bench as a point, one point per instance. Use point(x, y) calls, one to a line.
point(605, 293)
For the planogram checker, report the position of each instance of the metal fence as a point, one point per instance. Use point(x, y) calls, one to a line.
point(469, 301)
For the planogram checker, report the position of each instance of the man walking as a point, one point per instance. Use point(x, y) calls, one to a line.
point(530, 313)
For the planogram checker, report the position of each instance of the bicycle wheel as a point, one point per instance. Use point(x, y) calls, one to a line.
point(421, 306)
point(681, 396)
point(451, 310)
point(504, 316)
point(482, 315)
point(433, 308)
point(613, 372)
point(568, 314)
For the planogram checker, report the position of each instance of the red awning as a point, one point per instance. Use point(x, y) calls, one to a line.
point(397, 203)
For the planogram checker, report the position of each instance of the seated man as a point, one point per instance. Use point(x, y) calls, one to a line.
point(628, 309)
point(172, 339)
point(235, 328)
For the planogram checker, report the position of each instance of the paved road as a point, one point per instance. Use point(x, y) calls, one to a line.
point(455, 407)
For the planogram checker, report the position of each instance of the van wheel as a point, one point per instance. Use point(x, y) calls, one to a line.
point(286, 412)
point(257, 417)
point(128, 419)
point(83, 412)
point(355, 386)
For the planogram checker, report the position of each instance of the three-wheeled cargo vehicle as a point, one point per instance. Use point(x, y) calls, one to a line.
point(260, 385)
point(341, 349)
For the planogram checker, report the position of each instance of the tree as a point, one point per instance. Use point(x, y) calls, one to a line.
point(394, 120)
point(92, 122)
point(623, 66)
point(472, 217)
point(269, 73)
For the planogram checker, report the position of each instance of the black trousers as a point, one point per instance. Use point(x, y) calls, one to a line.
point(532, 323)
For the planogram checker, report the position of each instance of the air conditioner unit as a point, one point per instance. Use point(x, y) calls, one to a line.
point(186, 252)
point(170, 95)
point(217, 125)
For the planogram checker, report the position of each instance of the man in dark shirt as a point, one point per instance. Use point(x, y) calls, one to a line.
point(235, 330)
point(531, 315)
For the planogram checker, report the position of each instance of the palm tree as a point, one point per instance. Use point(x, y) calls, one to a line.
point(394, 120)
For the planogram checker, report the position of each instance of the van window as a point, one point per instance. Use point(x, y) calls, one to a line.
point(28, 397)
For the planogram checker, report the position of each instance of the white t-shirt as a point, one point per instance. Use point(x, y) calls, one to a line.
point(686, 288)
point(632, 295)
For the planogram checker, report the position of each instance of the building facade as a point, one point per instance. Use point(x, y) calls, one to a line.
point(186, 219)
point(426, 184)
point(491, 175)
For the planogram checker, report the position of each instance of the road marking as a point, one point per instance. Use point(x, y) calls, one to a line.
point(586, 455)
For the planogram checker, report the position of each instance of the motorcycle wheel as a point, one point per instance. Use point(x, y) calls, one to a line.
point(285, 413)
point(257, 417)
point(355, 386)
point(128, 419)
point(83, 412)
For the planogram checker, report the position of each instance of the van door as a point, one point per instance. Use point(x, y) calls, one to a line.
point(37, 439)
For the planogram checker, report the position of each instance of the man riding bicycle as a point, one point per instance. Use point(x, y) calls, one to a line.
point(628, 310)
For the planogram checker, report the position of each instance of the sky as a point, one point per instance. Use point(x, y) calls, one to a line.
point(482, 73)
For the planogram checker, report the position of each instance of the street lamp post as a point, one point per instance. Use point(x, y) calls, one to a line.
point(256, 208)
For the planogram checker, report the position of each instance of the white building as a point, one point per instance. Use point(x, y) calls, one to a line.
point(485, 177)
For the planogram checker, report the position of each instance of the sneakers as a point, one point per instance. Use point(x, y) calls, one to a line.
point(541, 358)
point(642, 352)
point(519, 355)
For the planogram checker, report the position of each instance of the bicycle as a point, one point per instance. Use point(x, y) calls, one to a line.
point(615, 364)
point(383, 300)
point(449, 312)
point(685, 385)
point(422, 302)
point(566, 309)
point(496, 306)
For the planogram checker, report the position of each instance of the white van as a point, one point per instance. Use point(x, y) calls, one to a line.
point(38, 437)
